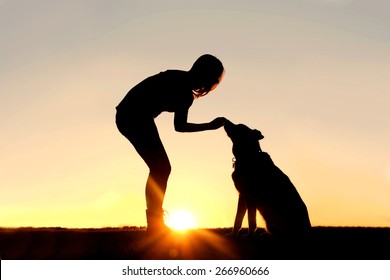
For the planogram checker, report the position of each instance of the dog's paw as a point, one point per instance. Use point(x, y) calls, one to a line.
point(248, 236)
point(265, 236)
point(231, 234)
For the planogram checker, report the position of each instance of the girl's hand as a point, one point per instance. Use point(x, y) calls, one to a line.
point(217, 122)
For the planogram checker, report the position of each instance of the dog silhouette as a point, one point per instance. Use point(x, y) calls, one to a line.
point(264, 187)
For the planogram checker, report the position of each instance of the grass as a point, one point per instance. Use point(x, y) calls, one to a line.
point(335, 243)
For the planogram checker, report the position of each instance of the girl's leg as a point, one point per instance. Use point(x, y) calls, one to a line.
point(151, 149)
point(147, 142)
point(156, 184)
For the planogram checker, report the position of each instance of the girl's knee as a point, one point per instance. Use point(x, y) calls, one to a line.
point(161, 170)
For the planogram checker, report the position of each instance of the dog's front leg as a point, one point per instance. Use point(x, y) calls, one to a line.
point(241, 210)
point(252, 224)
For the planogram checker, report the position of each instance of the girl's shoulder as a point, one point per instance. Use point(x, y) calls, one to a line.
point(174, 74)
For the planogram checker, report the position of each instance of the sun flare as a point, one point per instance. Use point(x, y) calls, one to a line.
point(181, 220)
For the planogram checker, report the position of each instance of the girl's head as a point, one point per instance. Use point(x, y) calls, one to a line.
point(206, 73)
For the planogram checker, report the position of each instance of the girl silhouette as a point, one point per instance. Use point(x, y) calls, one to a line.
point(169, 91)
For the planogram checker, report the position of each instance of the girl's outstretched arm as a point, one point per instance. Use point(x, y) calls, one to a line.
point(181, 124)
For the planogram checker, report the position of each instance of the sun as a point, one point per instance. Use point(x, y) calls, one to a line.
point(181, 220)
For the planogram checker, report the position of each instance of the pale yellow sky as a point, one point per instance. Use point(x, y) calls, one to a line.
point(311, 75)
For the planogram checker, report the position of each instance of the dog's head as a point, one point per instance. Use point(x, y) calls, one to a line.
point(245, 140)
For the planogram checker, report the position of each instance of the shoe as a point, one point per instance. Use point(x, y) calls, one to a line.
point(155, 221)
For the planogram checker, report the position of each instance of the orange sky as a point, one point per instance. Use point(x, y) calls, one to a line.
point(311, 75)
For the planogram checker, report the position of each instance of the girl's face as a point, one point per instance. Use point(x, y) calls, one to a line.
point(207, 86)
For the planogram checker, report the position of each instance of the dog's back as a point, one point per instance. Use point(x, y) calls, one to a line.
point(278, 200)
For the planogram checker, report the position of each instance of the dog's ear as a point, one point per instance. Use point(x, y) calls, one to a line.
point(258, 134)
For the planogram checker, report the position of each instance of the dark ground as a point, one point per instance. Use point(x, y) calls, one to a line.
point(326, 243)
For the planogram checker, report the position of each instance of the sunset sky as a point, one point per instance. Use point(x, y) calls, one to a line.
point(312, 75)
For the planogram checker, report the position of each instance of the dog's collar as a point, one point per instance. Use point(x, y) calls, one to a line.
point(234, 160)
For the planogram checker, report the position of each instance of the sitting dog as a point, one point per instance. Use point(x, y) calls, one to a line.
point(264, 187)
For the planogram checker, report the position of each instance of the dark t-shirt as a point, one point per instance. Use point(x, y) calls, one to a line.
point(168, 91)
